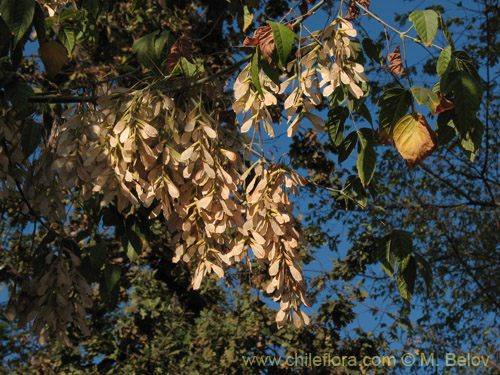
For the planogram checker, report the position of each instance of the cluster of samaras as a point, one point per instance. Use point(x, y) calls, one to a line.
point(174, 157)
point(324, 62)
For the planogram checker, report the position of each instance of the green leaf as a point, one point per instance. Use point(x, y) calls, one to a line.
point(18, 92)
point(406, 280)
point(425, 271)
point(30, 138)
point(354, 190)
point(247, 18)
point(394, 104)
point(385, 257)
point(365, 112)
point(186, 68)
point(112, 274)
point(471, 141)
point(39, 23)
point(443, 61)
point(335, 124)
point(254, 71)
point(153, 48)
point(347, 146)
point(161, 46)
point(67, 37)
point(445, 128)
point(338, 96)
point(98, 255)
point(426, 24)
point(367, 157)
point(373, 51)
point(468, 93)
point(93, 6)
point(133, 244)
point(271, 72)
point(18, 15)
point(401, 244)
point(284, 39)
point(426, 96)
point(143, 48)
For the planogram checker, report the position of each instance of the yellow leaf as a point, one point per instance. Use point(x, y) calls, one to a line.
point(54, 56)
point(414, 139)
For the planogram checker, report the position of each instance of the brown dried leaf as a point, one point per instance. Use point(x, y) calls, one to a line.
point(181, 48)
point(263, 36)
point(396, 62)
point(352, 12)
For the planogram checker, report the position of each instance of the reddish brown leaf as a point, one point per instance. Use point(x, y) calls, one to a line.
point(264, 37)
point(181, 48)
point(444, 104)
point(250, 41)
point(396, 62)
point(352, 12)
point(365, 3)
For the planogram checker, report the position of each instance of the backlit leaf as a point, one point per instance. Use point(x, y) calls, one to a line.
point(426, 24)
point(394, 104)
point(254, 71)
point(367, 157)
point(284, 38)
point(67, 37)
point(427, 97)
point(414, 139)
point(112, 274)
point(335, 124)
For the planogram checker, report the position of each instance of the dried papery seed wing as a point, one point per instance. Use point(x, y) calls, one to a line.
point(186, 154)
point(204, 202)
point(274, 267)
point(124, 135)
point(198, 276)
point(172, 189)
point(247, 125)
point(296, 272)
point(208, 158)
point(271, 286)
point(209, 171)
point(211, 133)
point(229, 154)
point(258, 251)
point(120, 126)
point(148, 130)
point(258, 238)
point(218, 270)
point(281, 318)
point(284, 303)
point(276, 228)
